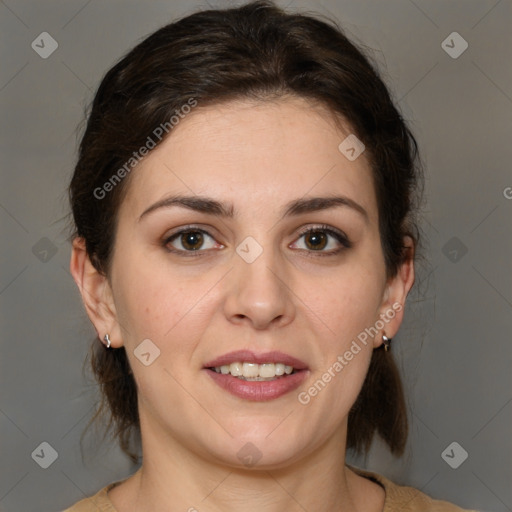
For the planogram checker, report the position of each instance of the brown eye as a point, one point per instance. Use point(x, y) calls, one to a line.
point(316, 240)
point(192, 240)
point(323, 240)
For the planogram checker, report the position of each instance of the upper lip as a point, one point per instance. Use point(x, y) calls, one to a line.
point(247, 356)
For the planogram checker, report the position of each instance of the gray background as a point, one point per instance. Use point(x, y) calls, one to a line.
point(454, 348)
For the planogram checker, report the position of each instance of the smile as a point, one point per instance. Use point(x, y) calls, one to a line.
point(257, 377)
point(255, 371)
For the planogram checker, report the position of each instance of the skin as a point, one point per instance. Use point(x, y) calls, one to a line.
point(254, 158)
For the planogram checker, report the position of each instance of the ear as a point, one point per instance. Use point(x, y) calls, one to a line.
point(96, 294)
point(397, 289)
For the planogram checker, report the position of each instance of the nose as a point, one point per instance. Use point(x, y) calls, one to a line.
point(259, 294)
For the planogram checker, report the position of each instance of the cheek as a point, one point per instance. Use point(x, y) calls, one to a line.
point(147, 308)
point(348, 302)
point(158, 303)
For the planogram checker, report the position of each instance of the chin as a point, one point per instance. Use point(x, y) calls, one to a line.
point(259, 450)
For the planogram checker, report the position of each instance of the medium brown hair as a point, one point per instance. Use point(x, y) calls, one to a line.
point(255, 51)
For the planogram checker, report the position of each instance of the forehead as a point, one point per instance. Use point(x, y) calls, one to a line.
point(253, 154)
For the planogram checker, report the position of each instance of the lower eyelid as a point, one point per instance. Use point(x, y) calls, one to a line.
point(341, 239)
point(167, 240)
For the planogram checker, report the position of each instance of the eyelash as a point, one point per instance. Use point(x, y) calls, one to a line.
point(339, 236)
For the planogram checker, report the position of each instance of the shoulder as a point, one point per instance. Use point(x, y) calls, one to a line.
point(407, 499)
point(100, 502)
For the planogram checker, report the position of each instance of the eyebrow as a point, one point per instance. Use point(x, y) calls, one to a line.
point(218, 209)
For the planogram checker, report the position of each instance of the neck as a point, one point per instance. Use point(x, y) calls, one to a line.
point(187, 481)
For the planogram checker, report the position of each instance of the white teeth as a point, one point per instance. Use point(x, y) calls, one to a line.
point(251, 370)
point(279, 369)
point(236, 369)
point(267, 370)
point(254, 371)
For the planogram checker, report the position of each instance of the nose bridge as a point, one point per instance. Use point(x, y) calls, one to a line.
point(259, 293)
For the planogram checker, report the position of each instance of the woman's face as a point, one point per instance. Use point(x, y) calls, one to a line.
point(248, 229)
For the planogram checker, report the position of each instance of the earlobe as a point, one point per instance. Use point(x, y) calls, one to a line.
point(94, 289)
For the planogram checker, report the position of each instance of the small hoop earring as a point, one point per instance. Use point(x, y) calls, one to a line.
point(386, 342)
point(107, 340)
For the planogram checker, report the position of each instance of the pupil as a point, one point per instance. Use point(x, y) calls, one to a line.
point(316, 240)
point(192, 240)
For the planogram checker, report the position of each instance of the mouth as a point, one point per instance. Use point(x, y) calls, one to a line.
point(257, 377)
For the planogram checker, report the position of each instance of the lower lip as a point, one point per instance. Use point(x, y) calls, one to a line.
point(258, 391)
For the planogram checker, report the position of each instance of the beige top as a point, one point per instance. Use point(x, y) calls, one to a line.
point(405, 499)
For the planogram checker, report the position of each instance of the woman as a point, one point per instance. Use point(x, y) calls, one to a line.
point(244, 202)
